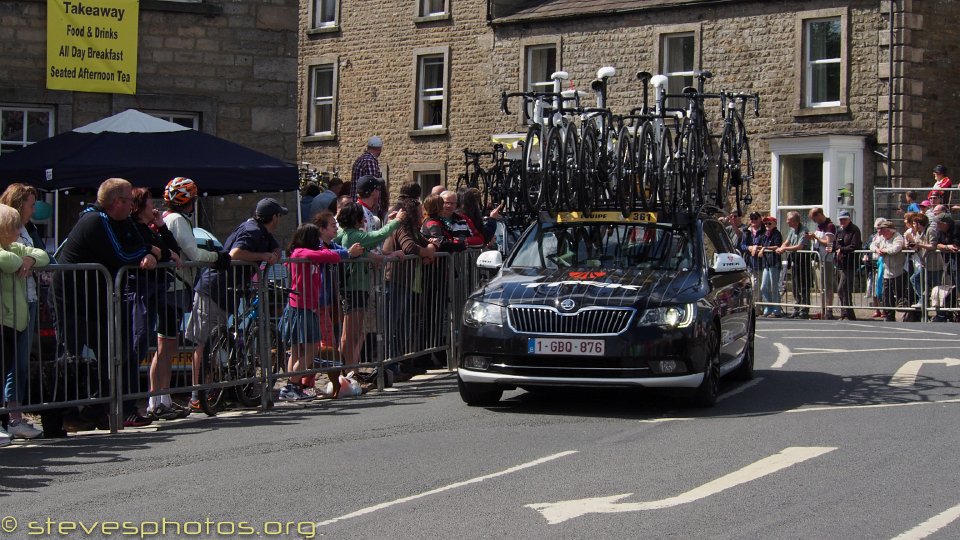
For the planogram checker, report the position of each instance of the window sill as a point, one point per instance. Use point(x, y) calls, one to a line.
point(319, 138)
point(428, 132)
point(821, 111)
point(323, 30)
point(432, 18)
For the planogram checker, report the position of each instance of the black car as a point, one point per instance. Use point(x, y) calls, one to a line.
point(611, 302)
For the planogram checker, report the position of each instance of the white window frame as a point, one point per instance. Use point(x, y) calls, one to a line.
point(526, 79)
point(426, 11)
point(424, 95)
point(173, 116)
point(317, 11)
point(835, 149)
point(316, 100)
point(809, 64)
point(667, 51)
point(419, 177)
point(26, 110)
point(532, 82)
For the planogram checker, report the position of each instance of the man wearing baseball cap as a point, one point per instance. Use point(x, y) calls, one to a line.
point(940, 183)
point(849, 239)
point(218, 292)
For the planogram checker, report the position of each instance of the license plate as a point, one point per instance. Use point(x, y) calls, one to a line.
point(578, 347)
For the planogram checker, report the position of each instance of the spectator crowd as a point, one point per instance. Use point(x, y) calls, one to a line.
point(901, 271)
point(329, 298)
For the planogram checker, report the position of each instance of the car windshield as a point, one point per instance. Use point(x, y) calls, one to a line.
point(644, 246)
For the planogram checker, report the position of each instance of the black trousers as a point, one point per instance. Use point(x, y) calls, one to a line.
point(896, 292)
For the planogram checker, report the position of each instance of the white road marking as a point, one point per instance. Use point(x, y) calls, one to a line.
point(816, 409)
point(805, 332)
point(739, 389)
point(906, 376)
point(455, 485)
point(559, 512)
point(873, 406)
point(783, 354)
point(931, 525)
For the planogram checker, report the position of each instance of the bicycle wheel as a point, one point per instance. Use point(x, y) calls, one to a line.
point(494, 195)
point(726, 165)
point(532, 172)
point(746, 165)
point(553, 170)
point(249, 366)
point(647, 158)
point(218, 360)
point(485, 187)
point(686, 169)
point(668, 171)
point(571, 164)
point(461, 182)
point(587, 169)
point(514, 190)
point(626, 172)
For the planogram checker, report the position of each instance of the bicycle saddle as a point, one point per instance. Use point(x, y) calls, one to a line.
point(644, 76)
point(606, 72)
point(562, 75)
point(658, 81)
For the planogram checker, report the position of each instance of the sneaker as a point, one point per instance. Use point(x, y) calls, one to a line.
point(918, 305)
point(182, 412)
point(135, 420)
point(304, 395)
point(4, 438)
point(195, 406)
point(289, 393)
point(163, 412)
point(23, 430)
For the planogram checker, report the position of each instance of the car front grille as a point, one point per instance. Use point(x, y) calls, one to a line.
point(545, 320)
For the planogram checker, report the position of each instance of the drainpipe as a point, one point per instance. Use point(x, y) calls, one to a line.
point(890, 114)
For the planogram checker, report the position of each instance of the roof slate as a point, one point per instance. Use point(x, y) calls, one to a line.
point(561, 9)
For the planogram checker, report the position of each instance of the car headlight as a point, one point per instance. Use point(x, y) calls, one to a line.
point(669, 317)
point(476, 314)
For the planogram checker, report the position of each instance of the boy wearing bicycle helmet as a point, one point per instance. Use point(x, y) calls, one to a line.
point(180, 195)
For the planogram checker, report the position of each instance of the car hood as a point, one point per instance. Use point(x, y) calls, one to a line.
point(592, 287)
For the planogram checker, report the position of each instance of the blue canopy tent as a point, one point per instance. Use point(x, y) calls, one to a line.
point(147, 151)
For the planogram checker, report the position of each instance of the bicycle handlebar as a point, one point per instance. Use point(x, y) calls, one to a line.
point(537, 96)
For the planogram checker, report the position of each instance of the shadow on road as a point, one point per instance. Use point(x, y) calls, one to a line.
point(777, 391)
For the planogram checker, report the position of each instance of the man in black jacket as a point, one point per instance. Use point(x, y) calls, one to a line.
point(105, 234)
point(849, 240)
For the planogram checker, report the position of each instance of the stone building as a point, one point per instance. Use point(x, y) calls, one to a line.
point(224, 67)
point(425, 75)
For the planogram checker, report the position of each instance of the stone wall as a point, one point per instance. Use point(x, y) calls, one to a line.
point(232, 61)
point(750, 46)
point(932, 55)
point(375, 48)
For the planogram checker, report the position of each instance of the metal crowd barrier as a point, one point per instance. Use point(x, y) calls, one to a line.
point(64, 357)
point(95, 343)
point(813, 288)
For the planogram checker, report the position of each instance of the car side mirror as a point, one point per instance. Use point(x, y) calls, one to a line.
point(491, 260)
point(727, 262)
